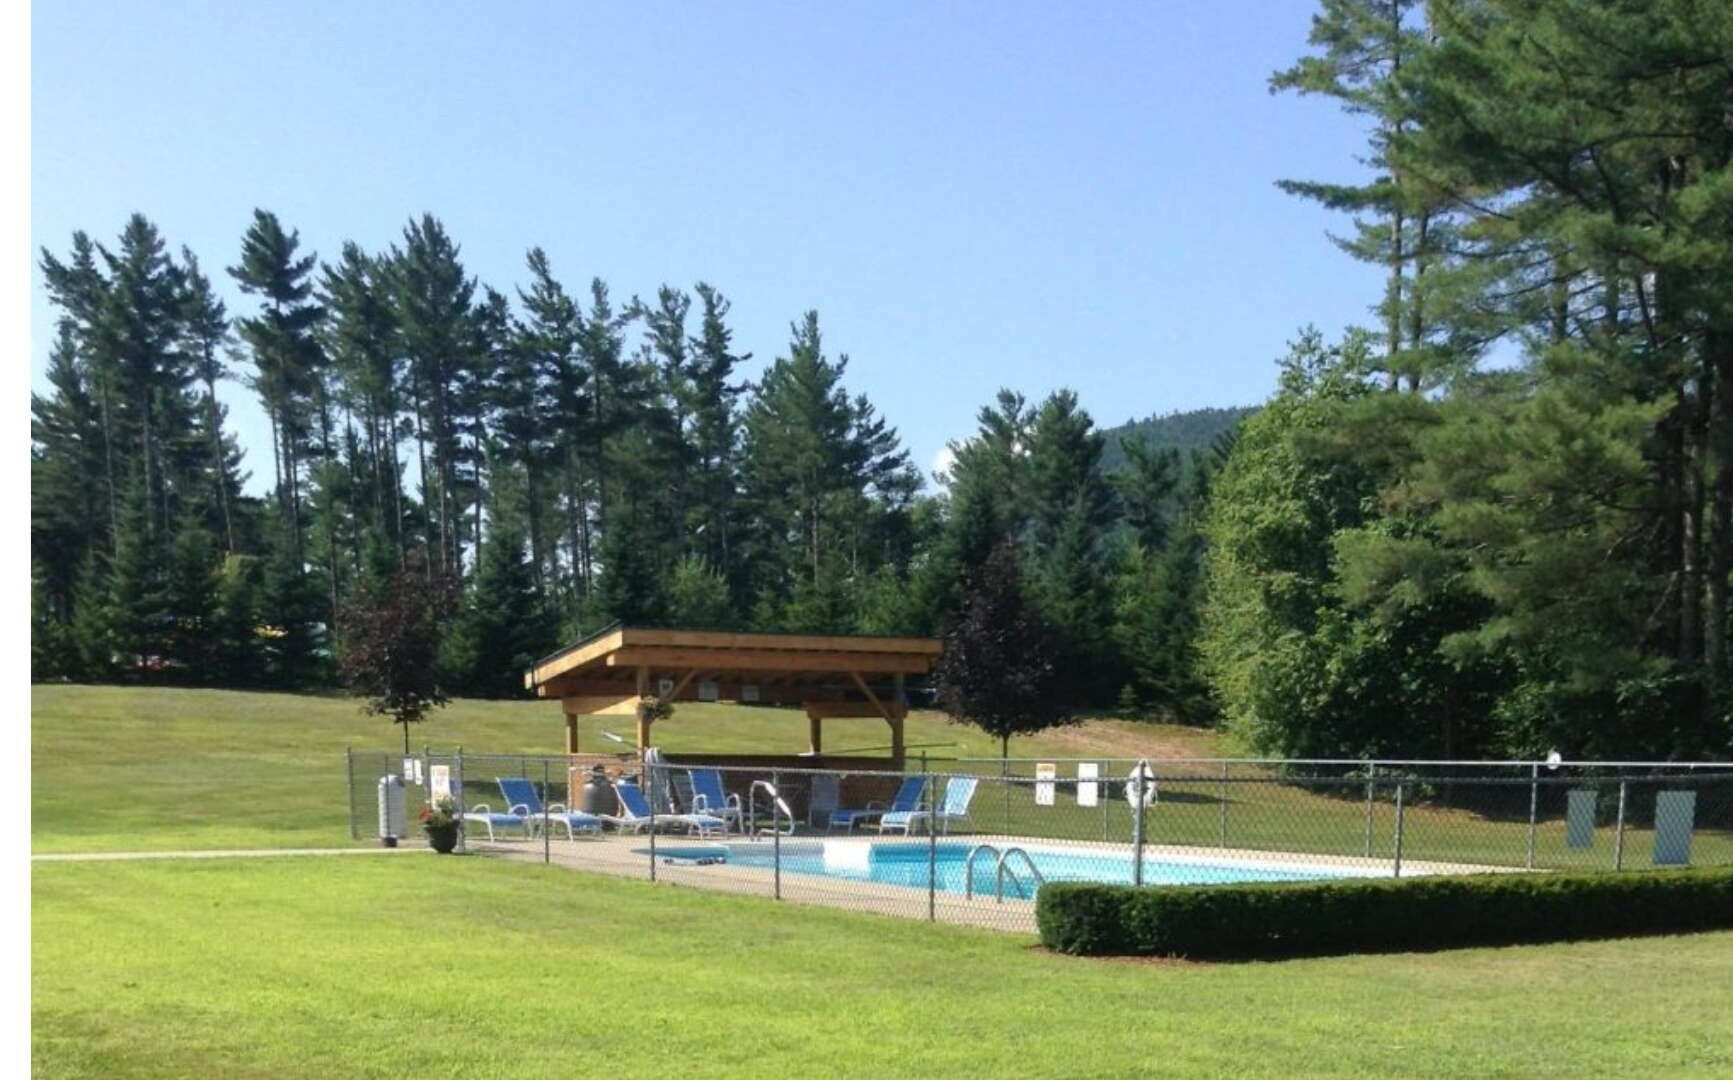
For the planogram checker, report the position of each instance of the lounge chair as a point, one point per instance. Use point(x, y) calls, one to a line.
point(908, 798)
point(826, 793)
point(637, 816)
point(708, 797)
point(521, 794)
point(959, 790)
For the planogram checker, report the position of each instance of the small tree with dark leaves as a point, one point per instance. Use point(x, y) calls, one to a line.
point(999, 670)
point(391, 651)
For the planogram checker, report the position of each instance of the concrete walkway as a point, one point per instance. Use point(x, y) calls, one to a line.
point(241, 853)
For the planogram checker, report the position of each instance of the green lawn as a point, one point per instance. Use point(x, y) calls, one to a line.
point(117, 768)
point(412, 965)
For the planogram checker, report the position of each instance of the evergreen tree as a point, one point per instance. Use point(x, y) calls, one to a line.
point(502, 628)
point(284, 356)
point(698, 596)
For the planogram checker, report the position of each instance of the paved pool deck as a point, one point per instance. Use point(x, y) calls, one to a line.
point(622, 856)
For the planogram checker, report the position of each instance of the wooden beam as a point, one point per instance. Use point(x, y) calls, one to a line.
point(871, 697)
point(768, 660)
point(600, 705)
point(711, 639)
point(844, 709)
point(815, 732)
point(558, 665)
point(679, 686)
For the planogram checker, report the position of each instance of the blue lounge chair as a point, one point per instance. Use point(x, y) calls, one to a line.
point(708, 797)
point(959, 790)
point(908, 798)
point(521, 794)
point(637, 816)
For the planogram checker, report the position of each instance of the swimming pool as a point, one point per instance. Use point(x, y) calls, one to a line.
point(905, 864)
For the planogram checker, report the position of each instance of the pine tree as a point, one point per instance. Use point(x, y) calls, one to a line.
point(698, 596)
point(502, 628)
point(284, 355)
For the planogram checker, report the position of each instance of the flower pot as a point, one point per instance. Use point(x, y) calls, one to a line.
point(442, 838)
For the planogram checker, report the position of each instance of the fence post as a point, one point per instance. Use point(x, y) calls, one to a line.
point(1619, 830)
point(462, 801)
point(1533, 810)
point(547, 818)
point(932, 843)
point(1398, 860)
point(1371, 785)
point(650, 793)
point(776, 829)
point(1224, 805)
point(349, 771)
point(1137, 841)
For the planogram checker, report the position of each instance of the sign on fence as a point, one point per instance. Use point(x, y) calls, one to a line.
point(439, 782)
point(1044, 775)
point(1580, 817)
point(1675, 815)
point(1088, 791)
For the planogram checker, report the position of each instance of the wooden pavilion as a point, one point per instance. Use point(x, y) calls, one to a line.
point(628, 670)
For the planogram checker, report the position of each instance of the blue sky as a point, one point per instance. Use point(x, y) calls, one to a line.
point(972, 195)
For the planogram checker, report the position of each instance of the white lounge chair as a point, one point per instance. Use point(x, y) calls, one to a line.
point(637, 816)
point(959, 791)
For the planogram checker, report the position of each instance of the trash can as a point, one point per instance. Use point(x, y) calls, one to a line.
point(393, 819)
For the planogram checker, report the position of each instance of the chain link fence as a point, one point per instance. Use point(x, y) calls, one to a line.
point(972, 841)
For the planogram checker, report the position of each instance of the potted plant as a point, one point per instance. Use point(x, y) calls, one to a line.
point(441, 822)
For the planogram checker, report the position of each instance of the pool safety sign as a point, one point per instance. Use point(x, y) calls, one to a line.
point(1140, 786)
point(439, 782)
point(1045, 772)
point(1087, 788)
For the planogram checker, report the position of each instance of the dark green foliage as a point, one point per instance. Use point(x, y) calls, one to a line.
point(1193, 429)
point(1000, 667)
point(501, 629)
point(1256, 921)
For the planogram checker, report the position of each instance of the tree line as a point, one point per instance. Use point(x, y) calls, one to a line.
point(1496, 521)
point(533, 465)
point(1500, 520)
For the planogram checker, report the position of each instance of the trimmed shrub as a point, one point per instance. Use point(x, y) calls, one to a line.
point(1378, 915)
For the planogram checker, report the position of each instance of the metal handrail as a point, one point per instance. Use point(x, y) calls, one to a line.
point(776, 803)
point(1004, 869)
point(969, 867)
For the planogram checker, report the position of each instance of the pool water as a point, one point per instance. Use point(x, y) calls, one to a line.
point(906, 864)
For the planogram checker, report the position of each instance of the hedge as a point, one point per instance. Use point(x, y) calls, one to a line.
point(1378, 915)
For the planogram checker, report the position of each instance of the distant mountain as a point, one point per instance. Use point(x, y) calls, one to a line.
point(1186, 431)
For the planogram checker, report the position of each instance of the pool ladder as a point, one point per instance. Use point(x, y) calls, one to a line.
point(1001, 857)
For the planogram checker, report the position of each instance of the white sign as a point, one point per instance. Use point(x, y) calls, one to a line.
point(1140, 786)
point(749, 691)
point(1044, 774)
point(708, 690)
point(412, 771)
point(664, 687)
point(1088, 791)
point(439, 782)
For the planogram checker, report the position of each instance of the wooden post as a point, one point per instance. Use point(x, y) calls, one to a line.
point(815, 729)
point(571, 730)
point(900, 706)
point(644, 717)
